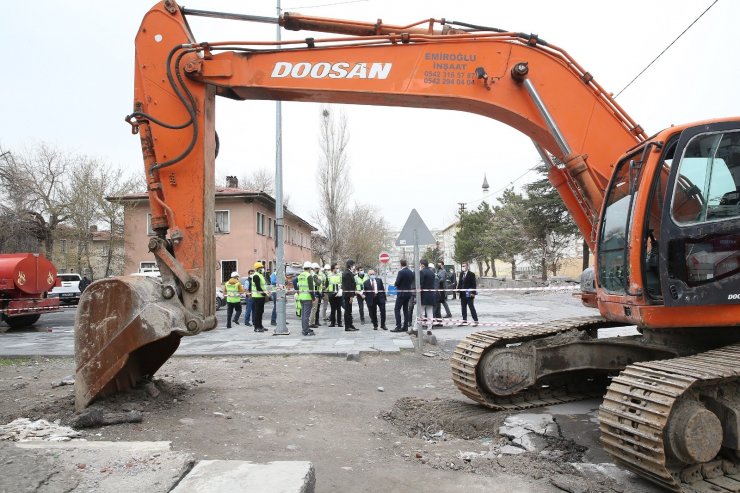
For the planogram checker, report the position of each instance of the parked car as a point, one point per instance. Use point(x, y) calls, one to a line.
point(220, 298)
point(67, 288)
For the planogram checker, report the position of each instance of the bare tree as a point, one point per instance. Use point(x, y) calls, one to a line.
point(112, 185)
point(332, 178)
point(92, 184)
point(17, 224)
point(320, 248)
point(81, 196)
point(35, 180)
point(261, 179)
point(364, 231)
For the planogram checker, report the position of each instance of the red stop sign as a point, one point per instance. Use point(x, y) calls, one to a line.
point(384, 257)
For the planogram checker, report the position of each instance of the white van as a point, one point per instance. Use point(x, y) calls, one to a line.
point(67, 288)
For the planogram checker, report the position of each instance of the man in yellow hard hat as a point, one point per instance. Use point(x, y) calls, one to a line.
point(259, 295)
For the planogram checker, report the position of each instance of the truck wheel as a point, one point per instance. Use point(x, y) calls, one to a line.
point(22, 320)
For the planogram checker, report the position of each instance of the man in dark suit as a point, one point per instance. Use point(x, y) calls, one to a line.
point(349, 288)
point(375, 298)
point(404, 283)
point(427, 281)
point(467, 285)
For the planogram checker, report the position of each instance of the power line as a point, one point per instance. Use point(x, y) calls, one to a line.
point(324, 5)
point(666, 48)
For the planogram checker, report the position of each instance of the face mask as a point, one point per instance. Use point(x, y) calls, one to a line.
point(362, 273)
point(372, 276)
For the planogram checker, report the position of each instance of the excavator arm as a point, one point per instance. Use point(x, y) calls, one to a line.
point(515, 78)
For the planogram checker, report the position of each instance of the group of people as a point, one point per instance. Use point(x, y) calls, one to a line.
point(256, 291)
point(337, 289)
point(433, 285)
point(333, 289)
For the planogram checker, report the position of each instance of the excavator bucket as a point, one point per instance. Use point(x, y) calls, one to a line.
point(124, 331)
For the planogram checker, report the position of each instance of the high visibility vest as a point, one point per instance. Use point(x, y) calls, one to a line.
point(335, 280)
point(263, 285)
point(232, 292)
point(359, 281)
point(303, 288)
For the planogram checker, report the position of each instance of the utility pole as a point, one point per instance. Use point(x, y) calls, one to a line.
point(281, 328)
point(462, 208)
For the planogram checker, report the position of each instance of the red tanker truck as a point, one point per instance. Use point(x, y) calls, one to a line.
point(25, 278)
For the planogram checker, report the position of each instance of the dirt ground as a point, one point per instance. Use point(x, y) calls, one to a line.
point(417, 432)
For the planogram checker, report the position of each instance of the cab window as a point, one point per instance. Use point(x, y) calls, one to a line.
point(708, 183)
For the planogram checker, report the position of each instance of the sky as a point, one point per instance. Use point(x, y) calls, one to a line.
point(68, 81)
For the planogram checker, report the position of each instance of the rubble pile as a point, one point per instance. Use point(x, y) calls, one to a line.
point(25, 430)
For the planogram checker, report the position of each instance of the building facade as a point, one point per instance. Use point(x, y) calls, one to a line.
point(244, 228)
point(96, 255)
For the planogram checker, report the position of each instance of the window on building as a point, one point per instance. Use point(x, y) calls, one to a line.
point(269, 227)
point(63, 245)
point(147, 266)
point(227, 267)
point(223, 221)
point(260, 223)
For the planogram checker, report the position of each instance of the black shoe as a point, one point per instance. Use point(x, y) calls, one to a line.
point(274, 323)
point(375, 327)
point(247, 324)
point(228, 326)
point(398, 329)
point(310, 333)
point(257, 330)
point(332, 325)
point(236, 322)
point(351, 329)
point(314, 326)
point(384, 327)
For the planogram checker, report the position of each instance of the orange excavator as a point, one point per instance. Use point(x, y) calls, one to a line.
point(661, 213)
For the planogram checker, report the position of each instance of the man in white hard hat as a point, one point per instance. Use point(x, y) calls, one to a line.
point(234, 292)
point(325, 294)
point(317, 283)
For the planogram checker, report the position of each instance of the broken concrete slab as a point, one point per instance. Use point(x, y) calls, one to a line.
point(232, 476)
point(518, 425)
point(106, 467)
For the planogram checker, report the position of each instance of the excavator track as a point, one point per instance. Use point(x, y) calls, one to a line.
point(471, 349)
point(641, 415)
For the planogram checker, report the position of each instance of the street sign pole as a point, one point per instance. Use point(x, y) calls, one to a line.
point(417, 232)
point(417, 325)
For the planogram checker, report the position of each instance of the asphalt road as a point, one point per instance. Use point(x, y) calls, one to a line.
point(53, 334)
